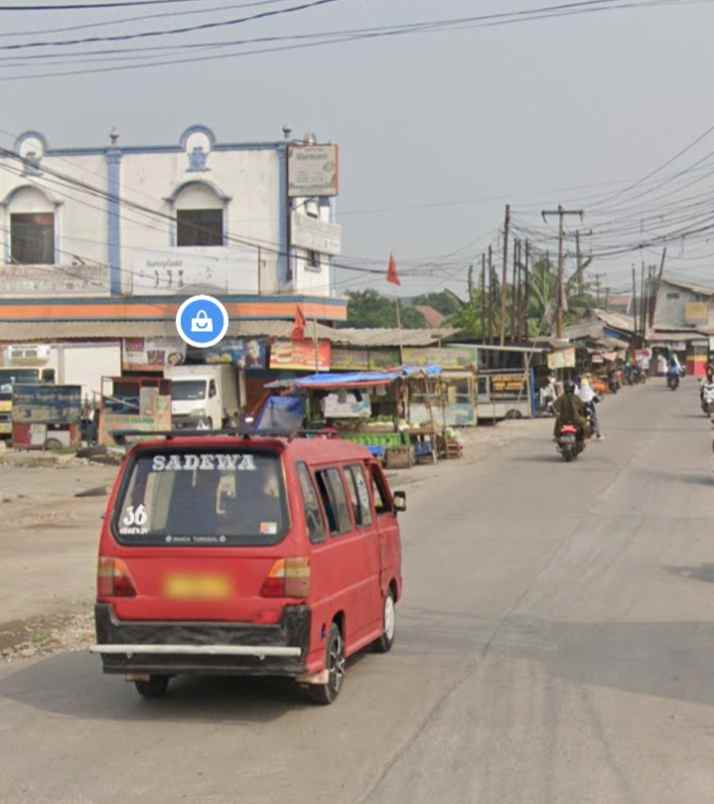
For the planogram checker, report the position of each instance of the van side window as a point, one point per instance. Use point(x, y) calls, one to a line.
point(382, 504)
point(313, 516)
point(329, 484)
point(359, 495)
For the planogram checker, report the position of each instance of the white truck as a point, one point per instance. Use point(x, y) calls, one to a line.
point(204, 396)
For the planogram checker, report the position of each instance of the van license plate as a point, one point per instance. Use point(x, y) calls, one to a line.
point(197, 587)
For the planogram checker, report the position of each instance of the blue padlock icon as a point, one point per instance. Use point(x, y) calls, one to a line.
point(201, 322)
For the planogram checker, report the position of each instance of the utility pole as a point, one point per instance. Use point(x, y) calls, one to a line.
point(482, 306)
point(634, 298)
point(643, 301)
point(490, 294)
point(561, 213)
point(578, 270)
point(526, 291)
point(597, 278)
point(470, 284)
point(657, 286)
point(514, 289)
point(504, 279)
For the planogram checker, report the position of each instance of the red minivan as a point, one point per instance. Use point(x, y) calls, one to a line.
point(237, 555)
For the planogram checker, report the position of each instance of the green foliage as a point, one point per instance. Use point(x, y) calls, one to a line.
point(445, 302)
point(368, 308)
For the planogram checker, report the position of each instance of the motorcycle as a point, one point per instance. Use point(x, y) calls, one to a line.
point(613, 384)
point(673, 382)
point(569, 445)
point(707, 402)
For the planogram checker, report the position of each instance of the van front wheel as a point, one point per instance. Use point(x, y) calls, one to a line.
point(389, 620)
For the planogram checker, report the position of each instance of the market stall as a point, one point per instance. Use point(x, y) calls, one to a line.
point(46, 416)
point(390, 412)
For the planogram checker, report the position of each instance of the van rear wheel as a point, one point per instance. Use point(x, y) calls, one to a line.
point(155, 687)
point(327, 693)
point(389, 621)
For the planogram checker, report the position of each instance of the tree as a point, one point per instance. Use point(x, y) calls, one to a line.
point(368, 308)
point(446, 302)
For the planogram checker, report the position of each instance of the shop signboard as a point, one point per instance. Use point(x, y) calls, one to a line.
point(245, 353)
point(515, 383)
point(48, 404)
point(152, 354)
point(347, 406)
point(300, 355)
point(315, 235)
point(350, 359)
point(563, 358)
point(696, 313)
point(435, 356)
point(312, 170)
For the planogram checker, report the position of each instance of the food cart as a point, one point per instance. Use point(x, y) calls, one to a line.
point(133, 403)
point(46, 416)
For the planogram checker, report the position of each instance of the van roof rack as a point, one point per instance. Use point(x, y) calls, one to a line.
point(121, 436)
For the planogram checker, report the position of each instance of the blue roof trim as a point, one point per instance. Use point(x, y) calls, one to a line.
point(26, 135)
point(199, 128)
point(139, 150)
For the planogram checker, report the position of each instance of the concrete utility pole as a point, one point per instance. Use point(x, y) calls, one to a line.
point(526, 291)
point(658, 282)
point(482, 306)
point(490, 295)
point(504, 278)
point(561, 213)
point(597, 278)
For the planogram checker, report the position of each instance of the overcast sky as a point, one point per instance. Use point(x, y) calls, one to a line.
point(437, 130)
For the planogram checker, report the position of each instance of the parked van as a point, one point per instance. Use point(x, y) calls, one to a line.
point(224, 555)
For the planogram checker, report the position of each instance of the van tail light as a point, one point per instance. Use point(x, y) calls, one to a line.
point(113, 579)
point(288, 577)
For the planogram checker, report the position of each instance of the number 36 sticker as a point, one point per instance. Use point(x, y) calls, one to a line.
point(135, 517)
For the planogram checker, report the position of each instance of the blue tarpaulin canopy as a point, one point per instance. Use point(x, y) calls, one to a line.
point(355, 379)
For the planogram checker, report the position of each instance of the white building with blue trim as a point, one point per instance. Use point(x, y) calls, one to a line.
point(199, 215)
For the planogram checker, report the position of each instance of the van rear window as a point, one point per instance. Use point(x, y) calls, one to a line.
point(202, 499)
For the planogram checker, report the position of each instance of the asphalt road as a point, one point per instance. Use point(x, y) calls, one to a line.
point(555, 644)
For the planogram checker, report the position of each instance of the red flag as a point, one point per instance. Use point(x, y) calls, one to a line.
point(298, 333)
point(392, 275)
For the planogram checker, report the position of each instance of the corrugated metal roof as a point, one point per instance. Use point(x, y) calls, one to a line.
point(16, 332)
point(677, 283)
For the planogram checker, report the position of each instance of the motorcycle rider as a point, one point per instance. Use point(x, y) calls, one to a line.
point(706, 388)
point(548, 394)
point(590, 399)
point(675, 368)
point(569, 409)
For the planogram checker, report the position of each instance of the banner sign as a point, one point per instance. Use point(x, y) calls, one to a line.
point(564, 358)
point(152, 354)
point(245, 353)
point(312, 170)
point(315, 235)
point(300, 355)
point(696, 313)
point(346, 406)
point(48, 404)
point(363, 359)
point(434, 356)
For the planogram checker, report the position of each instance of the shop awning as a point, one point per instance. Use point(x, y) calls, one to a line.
point(356, 379)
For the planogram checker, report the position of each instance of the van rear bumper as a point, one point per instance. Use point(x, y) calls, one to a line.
point(207, 648)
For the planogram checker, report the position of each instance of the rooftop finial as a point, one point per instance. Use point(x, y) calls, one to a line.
point(114, 135)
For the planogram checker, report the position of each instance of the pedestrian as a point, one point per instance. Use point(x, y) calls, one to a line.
point(589, 398)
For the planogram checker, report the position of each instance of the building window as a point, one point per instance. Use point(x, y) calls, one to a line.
point(313, 261)
point(32, 238)
point(673, 295)
point(199, 227)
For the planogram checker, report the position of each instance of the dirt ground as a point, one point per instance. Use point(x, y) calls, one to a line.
point(48, 539)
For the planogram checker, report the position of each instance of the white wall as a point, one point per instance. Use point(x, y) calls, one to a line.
point(248, 178)
point(85, 364)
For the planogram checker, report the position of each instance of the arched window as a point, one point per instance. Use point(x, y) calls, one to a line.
point(199, 215)
point(32, 227)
